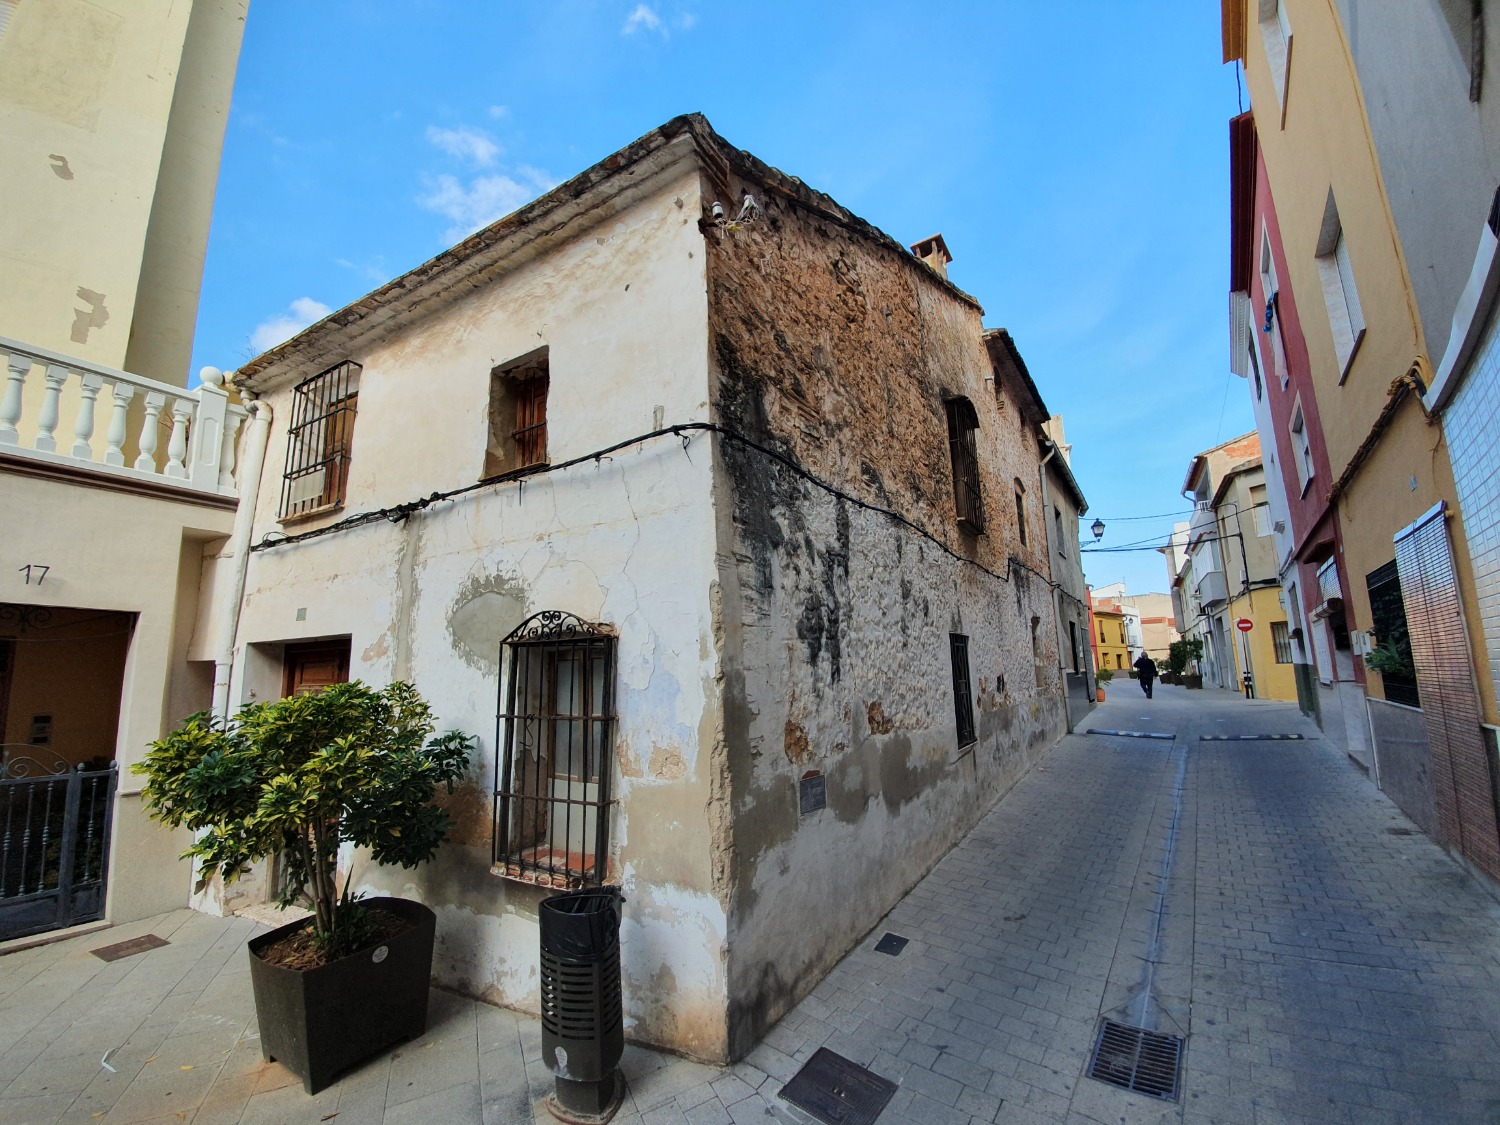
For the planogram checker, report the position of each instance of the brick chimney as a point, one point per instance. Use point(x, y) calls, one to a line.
point(934, 251)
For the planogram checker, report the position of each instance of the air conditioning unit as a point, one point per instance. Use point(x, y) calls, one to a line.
point(1279, 526)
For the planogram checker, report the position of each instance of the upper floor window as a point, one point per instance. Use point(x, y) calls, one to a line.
point(1062, 541)
point(1276, 34)
point(964, 454)
point(518, 416)
point(1301, 447)
point(1271, 324)
point(319, 440)
point(556, 749)
point(1339, 293)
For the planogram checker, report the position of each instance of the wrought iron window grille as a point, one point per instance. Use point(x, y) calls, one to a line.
point(319, 441)
point(963, 700)
point(964, 454)
point(555, 750)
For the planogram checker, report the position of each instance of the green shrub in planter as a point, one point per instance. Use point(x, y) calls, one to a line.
point(297, 777)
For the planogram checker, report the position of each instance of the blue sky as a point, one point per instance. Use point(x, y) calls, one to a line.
point(1074, 156)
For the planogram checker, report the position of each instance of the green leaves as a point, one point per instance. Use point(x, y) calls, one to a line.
point(298, 777)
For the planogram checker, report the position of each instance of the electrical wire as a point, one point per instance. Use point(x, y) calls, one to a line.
point(401, 512)
point(1122, 519)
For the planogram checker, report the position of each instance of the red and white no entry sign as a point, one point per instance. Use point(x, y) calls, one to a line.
point(1244, 624)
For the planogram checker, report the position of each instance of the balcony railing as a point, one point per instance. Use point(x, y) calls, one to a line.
point(54, 407)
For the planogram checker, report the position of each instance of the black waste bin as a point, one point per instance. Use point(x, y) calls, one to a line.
point(583, 1024)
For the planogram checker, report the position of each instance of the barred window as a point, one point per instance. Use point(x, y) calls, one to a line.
point(963, 705)
point(962, 423)
point(555, 748)
point(319, 440)
point(1281, 641)
point(518, 416)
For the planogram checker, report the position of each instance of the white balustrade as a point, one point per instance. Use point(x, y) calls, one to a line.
point(204, 424)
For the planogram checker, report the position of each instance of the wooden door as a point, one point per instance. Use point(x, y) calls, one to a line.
point(314, 666)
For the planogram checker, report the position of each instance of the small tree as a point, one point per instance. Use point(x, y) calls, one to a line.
point(297, 777)
point(1103, 676)
point(1180, 653)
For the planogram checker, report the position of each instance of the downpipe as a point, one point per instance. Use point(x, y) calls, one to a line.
point(238, 553)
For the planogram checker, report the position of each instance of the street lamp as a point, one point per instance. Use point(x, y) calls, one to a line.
point(1097, 527)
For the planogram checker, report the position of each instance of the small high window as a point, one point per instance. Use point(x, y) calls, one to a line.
point(518, 416)
point(1301, 447)
point(1276, 34)
point(319, 441)
point(556, 748)
point(1336, 274)
point(964, 455)
point(1021, 511)
point(963, 699)
point(1062, 541)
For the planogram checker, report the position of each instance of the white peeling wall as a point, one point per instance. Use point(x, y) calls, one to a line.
point(627, 541)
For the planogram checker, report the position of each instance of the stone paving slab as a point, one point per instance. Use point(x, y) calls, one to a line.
point(1246, 895)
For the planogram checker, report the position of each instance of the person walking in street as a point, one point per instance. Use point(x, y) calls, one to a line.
point(1145, 671)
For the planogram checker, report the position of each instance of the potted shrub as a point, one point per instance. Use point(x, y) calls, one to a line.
point(293, 780)
point(1102, 676)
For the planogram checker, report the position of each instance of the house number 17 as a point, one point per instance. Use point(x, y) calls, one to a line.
point(34, 572)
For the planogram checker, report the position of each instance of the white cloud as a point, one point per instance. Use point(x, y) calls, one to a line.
point(465, 143)
point(499, 111)
point(281, 328)
point(483, 199)
point(687, 21)
point(642, 17)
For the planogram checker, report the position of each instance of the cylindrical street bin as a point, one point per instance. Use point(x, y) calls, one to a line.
point(583, 1024)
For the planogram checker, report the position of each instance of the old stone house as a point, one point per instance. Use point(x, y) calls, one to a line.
point(699, 483)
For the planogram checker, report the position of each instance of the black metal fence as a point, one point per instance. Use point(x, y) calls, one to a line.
point(55, 822)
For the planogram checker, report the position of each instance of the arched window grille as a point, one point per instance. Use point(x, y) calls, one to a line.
point(555, 749)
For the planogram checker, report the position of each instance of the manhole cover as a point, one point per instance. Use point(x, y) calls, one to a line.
point(129, 948)
point(838, 1091)
point(892, 944)
point(1133, 1058)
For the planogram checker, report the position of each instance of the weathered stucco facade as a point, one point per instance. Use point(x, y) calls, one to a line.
point(748, 487)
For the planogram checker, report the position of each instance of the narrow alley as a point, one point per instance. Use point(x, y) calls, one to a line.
point(1260, 898)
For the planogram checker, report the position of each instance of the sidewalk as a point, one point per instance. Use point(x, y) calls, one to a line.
point(1261, 899)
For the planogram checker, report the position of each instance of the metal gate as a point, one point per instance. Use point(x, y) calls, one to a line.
point(54, 841)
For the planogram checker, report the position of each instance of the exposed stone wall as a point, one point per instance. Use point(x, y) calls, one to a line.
point(837, 354)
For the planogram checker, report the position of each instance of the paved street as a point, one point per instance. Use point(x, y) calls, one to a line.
point(1259, 898)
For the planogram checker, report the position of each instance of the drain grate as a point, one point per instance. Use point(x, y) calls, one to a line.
point(892, 944)
point(129, 948)
point(1133, 1058)
point(838, 1091)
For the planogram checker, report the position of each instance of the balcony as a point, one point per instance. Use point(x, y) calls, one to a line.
point(153, 433)
point(1212, 589)
point(1202, 521)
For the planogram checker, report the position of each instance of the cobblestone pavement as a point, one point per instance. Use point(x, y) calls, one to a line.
point(1261, 899)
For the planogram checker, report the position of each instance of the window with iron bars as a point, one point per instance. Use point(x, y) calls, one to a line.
point(555, 747)
point(962, 451)
point(318, 442)
point(963, 699)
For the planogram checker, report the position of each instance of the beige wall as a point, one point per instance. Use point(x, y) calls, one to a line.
point(118, 552)
point(111, 120)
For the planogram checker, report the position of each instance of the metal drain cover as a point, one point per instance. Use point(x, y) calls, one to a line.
point(892, 944)
point(838, 1091)
point(1133, 1058)
point(129, 948)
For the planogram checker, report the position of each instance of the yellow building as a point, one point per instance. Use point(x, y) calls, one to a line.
point(1377, 517)
point(115, 479)
point(1111, 642)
